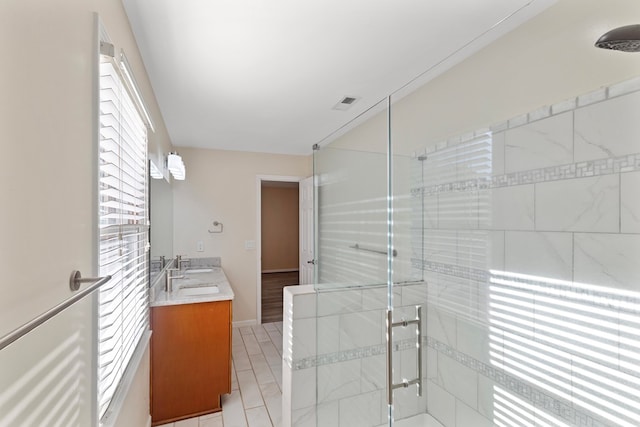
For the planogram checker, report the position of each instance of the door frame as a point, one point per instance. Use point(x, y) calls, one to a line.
point(307, 233)
point(259, 180)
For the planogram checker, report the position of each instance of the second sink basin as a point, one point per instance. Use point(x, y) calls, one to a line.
point(199, 290)
point(198, 270)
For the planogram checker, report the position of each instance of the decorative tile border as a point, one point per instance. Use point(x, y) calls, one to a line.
point(530, 393)
point(600, 167)
point(618, 301)
point(484, 181)
point(343, 356)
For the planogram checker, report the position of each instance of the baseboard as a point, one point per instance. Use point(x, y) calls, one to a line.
point(281, 270)
point(149, 421)
point(243, 323)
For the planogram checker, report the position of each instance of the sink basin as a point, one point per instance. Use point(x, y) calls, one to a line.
point(199, 270)
point(199, 290)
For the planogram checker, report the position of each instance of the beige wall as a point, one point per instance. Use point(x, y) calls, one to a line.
point(548, 59)
point(280, 228)
point(47, 180)
point(222, 186)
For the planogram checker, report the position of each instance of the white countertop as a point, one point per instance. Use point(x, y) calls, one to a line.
point(192, 280)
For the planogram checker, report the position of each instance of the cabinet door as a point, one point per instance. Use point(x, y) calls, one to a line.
point(190, 352)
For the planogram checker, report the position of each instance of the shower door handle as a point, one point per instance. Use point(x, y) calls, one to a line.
point(405, 383)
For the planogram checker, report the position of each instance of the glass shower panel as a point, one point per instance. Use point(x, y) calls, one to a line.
point(521, 238)
point(351, 290)
point(352, 216)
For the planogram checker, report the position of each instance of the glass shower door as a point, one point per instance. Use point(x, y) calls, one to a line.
point(407, 320)
point(370, 361)
point(444, 245)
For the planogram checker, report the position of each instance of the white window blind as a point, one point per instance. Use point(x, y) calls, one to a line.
point(123, 302)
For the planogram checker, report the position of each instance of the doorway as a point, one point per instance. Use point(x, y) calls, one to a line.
point(279, 244)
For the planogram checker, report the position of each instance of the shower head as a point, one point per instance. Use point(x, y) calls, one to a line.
point(624, 39)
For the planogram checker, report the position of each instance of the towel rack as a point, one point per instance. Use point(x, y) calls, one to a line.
point(217, 224)
point(360, 248)
point(74, 283)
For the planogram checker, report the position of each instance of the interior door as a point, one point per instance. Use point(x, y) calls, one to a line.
point(306, 231)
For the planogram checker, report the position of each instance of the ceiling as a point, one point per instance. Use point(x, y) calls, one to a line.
point(259, 76)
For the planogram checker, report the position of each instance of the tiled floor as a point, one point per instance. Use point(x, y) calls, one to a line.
point(256, 382)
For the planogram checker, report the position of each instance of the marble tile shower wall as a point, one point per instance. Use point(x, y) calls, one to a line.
point(528, 235)
point(336, 361)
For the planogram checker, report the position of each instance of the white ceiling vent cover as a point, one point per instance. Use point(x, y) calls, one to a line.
point(346, 103)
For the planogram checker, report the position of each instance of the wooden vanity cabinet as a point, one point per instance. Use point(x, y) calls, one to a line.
point(190, 359)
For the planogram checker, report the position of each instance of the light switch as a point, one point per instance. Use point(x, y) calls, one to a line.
point(249, 244)
point(200, 246)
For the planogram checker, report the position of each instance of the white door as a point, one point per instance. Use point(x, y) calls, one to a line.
point(306, 231)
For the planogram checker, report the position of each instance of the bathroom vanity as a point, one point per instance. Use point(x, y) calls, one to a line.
point(191, 346)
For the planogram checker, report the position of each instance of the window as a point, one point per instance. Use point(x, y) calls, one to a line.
point(123, 238)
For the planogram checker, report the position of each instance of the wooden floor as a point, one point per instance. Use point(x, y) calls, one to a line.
point(272, 284)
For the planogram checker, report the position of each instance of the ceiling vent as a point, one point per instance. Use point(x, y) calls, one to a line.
point(346, 103)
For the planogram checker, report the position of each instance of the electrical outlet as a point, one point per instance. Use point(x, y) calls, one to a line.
point(200, 246)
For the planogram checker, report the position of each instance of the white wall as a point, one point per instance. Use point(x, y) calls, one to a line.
point(221, 186)
point(48, 139)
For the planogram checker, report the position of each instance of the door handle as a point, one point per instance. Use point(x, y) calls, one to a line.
point(404, 323)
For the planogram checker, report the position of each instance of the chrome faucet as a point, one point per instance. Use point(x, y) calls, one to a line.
point(169, 279)
point(180, 262)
